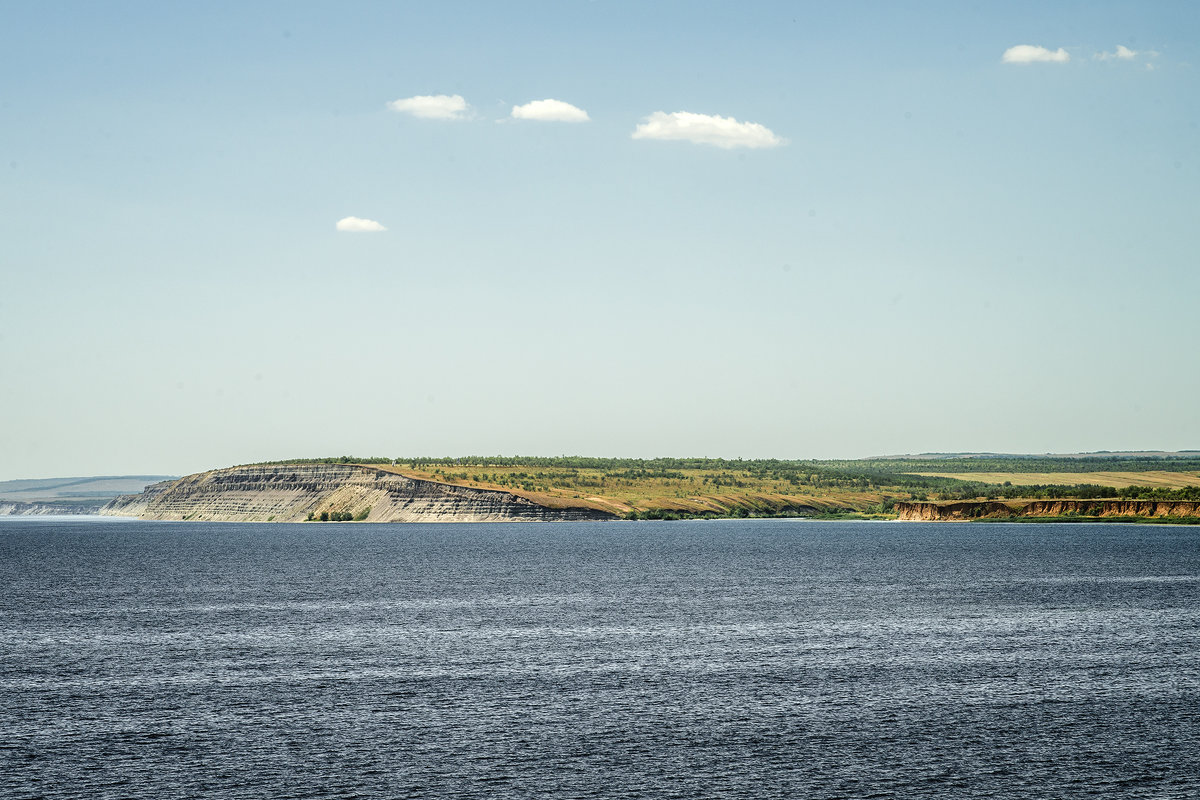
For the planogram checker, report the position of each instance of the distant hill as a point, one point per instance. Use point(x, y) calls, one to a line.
point(77, 495)
point(1097, 454)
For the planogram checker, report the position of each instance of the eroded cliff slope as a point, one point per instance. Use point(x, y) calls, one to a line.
point(291, 492)
point(998, 510)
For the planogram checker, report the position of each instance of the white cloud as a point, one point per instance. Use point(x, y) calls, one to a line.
point(359, 225)
point(724, 132)
point(432, 106)
point(1122, 52)
point(1028, 54)
point(550, 111)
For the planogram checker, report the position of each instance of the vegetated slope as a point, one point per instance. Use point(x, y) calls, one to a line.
point(1114, 479)
point(297, 492)
point(724, 487)
point(651, 491)
point(480, 488)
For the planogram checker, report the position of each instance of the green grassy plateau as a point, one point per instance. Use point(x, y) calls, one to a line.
point(699, 487)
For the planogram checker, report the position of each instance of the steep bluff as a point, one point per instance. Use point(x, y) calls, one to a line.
point(290, 492)
point(995, 509)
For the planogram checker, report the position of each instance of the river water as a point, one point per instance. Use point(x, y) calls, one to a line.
point(755, 659)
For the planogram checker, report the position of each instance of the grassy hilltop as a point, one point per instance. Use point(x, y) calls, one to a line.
point(665, 488)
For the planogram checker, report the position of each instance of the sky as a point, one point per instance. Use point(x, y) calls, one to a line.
point(236, 232)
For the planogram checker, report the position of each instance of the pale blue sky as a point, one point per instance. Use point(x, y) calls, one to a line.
point(947, 252)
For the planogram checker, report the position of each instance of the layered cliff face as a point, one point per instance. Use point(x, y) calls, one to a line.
point(46, 509)
point(945, 512)
point(291, 492)
point(993, 509)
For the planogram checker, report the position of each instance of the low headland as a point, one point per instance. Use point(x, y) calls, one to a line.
point(75, 496)
point(1157, 487)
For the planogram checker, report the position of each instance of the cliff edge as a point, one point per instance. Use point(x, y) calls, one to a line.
point(293, 492)
point(1000, 510)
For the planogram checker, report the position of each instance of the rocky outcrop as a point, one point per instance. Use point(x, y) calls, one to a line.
point(135, 505)
point(291, 492)
point(994, 509)
point(1112, 508)
point(953, 512)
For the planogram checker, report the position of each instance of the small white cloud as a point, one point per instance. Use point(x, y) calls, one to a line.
point(359, 225)
point(1122, 52)
point(724, 132)
point(550, 111)
point(432, 106)
point(1029, 54)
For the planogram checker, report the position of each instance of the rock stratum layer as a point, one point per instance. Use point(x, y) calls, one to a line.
point(995, 509)
point(291, 492)
point(46, 509)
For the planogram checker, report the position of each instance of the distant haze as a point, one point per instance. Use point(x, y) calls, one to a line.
point(246, 232)
point(98, 488)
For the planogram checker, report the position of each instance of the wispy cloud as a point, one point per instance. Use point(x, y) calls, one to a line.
point(1122, 52)
point(359, 225)
point(724, 132)
point(432, 106)
point(1030, 54)
point(550, 111)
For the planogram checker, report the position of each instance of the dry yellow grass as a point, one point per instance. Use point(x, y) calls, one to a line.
point(1117, 480)
point(695, 492)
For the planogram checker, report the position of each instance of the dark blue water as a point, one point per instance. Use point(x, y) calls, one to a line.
point(710, 659)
